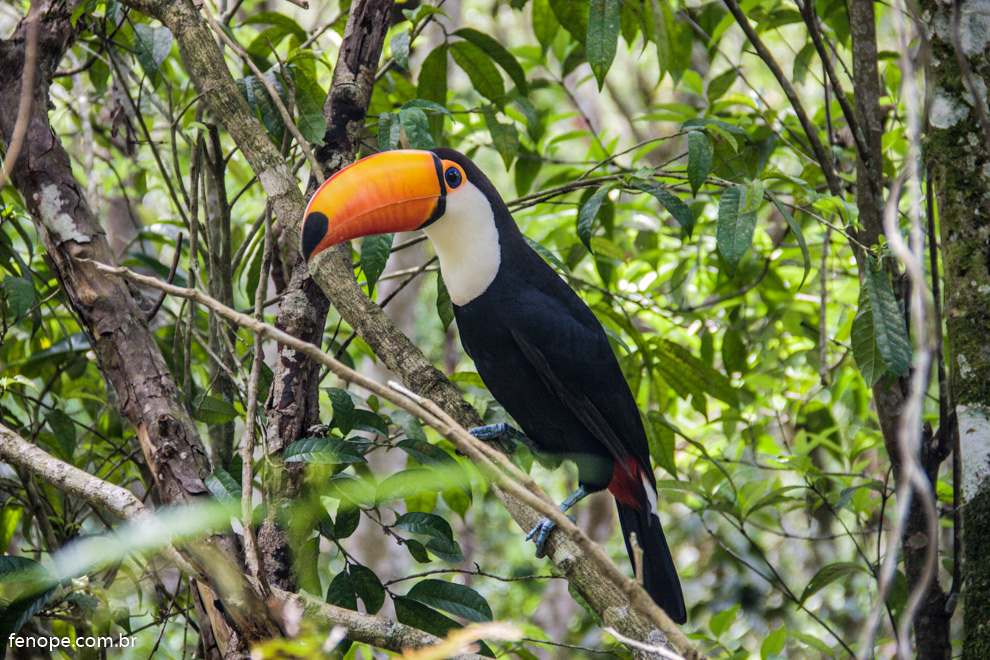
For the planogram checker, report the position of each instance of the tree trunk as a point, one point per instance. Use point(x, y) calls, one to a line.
point(958, 154)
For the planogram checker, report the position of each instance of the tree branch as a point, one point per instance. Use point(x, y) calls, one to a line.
point(203, 560)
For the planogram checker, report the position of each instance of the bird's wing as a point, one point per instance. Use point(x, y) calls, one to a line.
point(575, 361)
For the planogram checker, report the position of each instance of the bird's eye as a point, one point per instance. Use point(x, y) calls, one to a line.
point(453, 177)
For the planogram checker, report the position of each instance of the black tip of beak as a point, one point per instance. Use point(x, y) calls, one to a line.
point(314, 230)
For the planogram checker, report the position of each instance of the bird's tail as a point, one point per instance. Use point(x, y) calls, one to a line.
point(659, 575)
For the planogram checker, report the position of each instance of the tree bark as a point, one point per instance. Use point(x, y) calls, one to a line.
point(128, 356)
point(958, 155)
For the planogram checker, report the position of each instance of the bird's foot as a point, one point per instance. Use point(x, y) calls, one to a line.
point(506, 435)
point(539, 535)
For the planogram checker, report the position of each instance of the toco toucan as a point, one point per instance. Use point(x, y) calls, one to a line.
point(539, 349)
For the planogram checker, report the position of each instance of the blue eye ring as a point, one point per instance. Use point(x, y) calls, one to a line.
point(453, 177)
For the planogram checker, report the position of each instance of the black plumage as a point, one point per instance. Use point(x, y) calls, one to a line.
point(547, 360)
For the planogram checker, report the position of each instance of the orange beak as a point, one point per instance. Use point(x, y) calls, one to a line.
point(389, 192)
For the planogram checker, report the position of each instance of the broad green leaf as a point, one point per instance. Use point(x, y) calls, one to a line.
point(432, 85)
point(662, 22)
point(445, 549)
point(720, 84)
point(678, 210)
point(413, 613)
point(499, 55)
point(310, 98)
point(603, 36)
point(588, 213)
point(407, 483)
point(754, 197)
point(505, 138)
point(416, 16)
point(341, 592)
point(151, 46)
point(545, 24)
point(445, 306)
point(734, 229)
point(428, 106)
point(375, 250)
point(417, 128)
point(348, 519)
point(411, 426)
point(279, 19)
point(37, 587)
point(211, 410)
point(64, 431)
point(323, 451)
point(479, 68)
point(368, 588)
point(389, 131)
point(773, 643)
point(365, 420)
point(573, 16)
point(343, 409)
point(428, 524)
point(545, 253)
point(866, 352)
point(699, 160)
point(721, 622)
point(888, 322)
point(418, 551)
point(21, 295)
point(400, 48)
point(456, 599)
point(798, 234)
point(10, 517)
point(223, 486)
point(829, 574)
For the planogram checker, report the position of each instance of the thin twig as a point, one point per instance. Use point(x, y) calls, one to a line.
point(171, 276)
point(27, 93)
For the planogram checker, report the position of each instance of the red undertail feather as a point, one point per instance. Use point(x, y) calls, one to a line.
point(627, 483)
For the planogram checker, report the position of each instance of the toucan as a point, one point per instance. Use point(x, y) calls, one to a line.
point(539, 349)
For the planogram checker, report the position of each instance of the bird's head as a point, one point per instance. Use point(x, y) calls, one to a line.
point(389, 192)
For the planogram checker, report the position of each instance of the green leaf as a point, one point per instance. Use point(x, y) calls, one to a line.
point(343, 409)
point(773, 644)
point(417, 128)
point(445, 306)
point(365, 420)
point(348, 519)
point(721, 622)
point(479, 68)
point(573, 15)
point(677, 209)
point(413, 613)
point(37, 587)
point(151, 46)
point(866, 352)
point(888, 322)
point(662, 23)
point(407, 483)
point(720, 84)
point(699, 160)
point(281, 20)
point(734, 229)
point(428, 524)
point(499, 55)
point(21, 295)
point(400, 48)
point(798, 234)
point(546, 254)
point(432, 85)
point(447, 550)
point(223, 486)
point(588, 213)
point(428, 106)
point(545, 24)
point(310, 98)
point(368, 588)
point(603, 36)
point(64, 431)
point(754, 197)
point(375, 250)
point(455, 599)
point(322, 451)
point(418, 551)
point(10, 517)
point(341, 592)
point(389, 131)
point(505, 137)
point(211, 410)
point(827, 575)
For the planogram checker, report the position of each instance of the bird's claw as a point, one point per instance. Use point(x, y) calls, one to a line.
point(541, 532)
point(505, 434)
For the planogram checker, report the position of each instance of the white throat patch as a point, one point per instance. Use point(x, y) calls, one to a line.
point(466, 241)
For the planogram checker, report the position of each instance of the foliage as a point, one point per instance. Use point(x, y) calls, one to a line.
point(650, 161)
